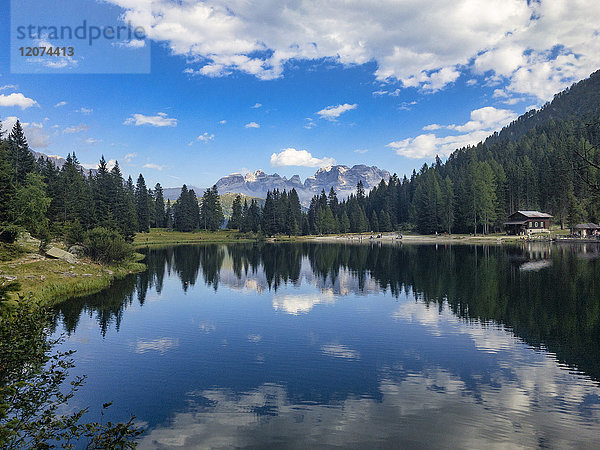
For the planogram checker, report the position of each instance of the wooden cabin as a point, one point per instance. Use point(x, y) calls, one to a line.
point(527, 222)
point(587, 229)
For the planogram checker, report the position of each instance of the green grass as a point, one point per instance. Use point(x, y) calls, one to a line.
point(8, 252)
point(51, 280)
point(161, 236)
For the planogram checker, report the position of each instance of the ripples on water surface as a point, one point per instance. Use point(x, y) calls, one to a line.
point(302, 345)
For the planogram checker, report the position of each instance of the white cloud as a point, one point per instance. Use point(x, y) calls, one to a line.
point(76, 129)
point(93, 141)
point(256, 105)
point(85, 111)
point(333, 112)
point(129, 157)
point(361, 151)
point(394, 93)
point(131, 44)
point(35, 133)
point(10, 87)
point(17, 99)
point(205, 137)
point(537, 47)
point(59, 104)
point(293, 157)
point(310, 123)
point(252, 125)
point(222, 122)
point(484, 121)
point(153, 166)
point(160, 120)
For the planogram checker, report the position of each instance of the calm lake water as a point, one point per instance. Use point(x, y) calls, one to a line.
point(316, 345)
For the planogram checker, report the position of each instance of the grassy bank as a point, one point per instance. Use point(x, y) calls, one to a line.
point(161, 236)
point(52, 280)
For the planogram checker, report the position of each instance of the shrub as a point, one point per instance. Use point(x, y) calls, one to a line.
point(9, 234)
point(107, 246)
point(74, 233)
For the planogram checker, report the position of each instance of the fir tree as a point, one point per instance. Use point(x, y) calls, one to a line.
point(141, 205)
point(22, 159)
point(235, 221)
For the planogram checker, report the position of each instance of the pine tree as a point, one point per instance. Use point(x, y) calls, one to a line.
point(374, 222)
point(7, 189)
point(22, 159)
point(159, 210)
point(141, 205)
point(211, 213)
point(269, 216)
point(447, 206)
point(102, 186)
point(235, 221)
point(385, 223)
point(169, 216)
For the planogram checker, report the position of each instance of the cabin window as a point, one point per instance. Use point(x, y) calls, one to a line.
point(536, 224)
point(530, 224)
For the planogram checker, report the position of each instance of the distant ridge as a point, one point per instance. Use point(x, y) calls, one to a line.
point(343, 179)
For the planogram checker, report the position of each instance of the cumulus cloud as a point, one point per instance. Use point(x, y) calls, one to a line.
point(252, 125)
point(484, 121)
point(76, 129)
point(160, 120)
point(36, 134)
point(129, 157)
point(17, 99)
point(205, 137)
point(293, 157)
point(153, 166)
point(333, 112)
point(256, 105)
point(536, 47)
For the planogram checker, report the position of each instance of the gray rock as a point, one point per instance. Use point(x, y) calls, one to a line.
point(57, 253)
point(9, 277)
point(77, 250)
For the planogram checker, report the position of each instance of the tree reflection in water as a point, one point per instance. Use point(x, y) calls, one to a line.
point(549, 296)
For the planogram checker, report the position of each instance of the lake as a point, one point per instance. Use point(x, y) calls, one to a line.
point(316, 345)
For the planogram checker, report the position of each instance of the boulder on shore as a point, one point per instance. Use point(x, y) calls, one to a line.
point(54, 252)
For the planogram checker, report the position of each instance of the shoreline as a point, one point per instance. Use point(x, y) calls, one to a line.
point(51, 281)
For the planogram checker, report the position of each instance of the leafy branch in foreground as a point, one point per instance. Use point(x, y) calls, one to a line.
point(32, 394)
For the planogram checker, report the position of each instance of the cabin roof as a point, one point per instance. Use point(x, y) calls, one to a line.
point(533, 214)
point(587, 226)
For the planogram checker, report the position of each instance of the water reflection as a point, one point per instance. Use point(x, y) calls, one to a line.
point(547, 295)
point(313, 345)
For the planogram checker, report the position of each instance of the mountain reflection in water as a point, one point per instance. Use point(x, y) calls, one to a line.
point(352, 345)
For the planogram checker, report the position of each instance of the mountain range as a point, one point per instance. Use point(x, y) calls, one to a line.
point(343, 179)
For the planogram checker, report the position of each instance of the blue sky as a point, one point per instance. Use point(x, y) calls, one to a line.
point(289, 87)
